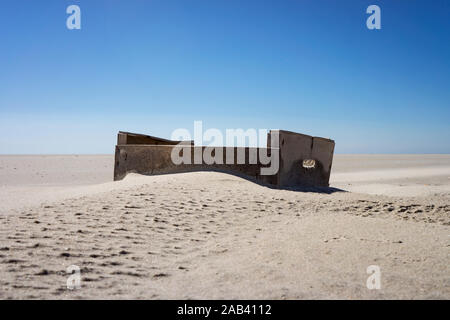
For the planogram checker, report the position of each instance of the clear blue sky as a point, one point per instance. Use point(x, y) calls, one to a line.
point(153, 66)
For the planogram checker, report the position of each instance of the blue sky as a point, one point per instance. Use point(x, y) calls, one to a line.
point(310, 66)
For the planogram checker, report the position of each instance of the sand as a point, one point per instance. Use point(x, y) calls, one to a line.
point(211, 235)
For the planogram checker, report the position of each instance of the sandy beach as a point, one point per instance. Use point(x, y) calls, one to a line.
point(209, 235)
